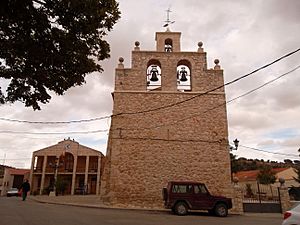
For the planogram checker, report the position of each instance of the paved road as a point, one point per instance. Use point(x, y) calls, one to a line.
point(13, 211)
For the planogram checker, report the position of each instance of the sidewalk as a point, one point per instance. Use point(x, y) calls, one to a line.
point(92, 201)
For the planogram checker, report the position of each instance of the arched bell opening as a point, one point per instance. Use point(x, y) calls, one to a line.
point(168, 45)
point(153, 75)
point(184, 75)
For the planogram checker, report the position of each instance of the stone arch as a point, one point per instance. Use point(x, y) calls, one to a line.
point(153, 74)
point(184, 72)
point(168, 45)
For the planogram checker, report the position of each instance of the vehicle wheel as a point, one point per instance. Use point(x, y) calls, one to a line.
point(181, 209)
point(221, 210)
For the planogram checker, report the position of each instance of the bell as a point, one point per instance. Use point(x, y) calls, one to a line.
point(183, 73)
point(183, 77)
point(154, 73)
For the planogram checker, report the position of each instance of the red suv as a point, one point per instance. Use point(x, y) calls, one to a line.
point(183, 196)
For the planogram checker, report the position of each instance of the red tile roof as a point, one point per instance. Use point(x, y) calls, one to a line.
point(13, 171)
point(250, 175)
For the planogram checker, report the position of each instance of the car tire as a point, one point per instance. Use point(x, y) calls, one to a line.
point(181, 209)
point(221, 210)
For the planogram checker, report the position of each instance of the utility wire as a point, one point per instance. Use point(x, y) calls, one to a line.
point(168, 140)
point(220, 105)
point(55, 122)
point(50, 133)
point(15, 159)
point(155, 109)
point(209, 91)
point(275, 153)
point(263, 85)
point(177, 121)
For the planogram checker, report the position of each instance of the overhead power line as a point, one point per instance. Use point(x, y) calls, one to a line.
point(56, 122)
point(173, 122)
point(209, 91)
point(275, 153)
point(220, 105)
point(265, 84)
point(15, 159)
point(155, 109)
point(51, 133)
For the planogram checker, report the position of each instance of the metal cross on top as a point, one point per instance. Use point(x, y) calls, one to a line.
point(168, 21)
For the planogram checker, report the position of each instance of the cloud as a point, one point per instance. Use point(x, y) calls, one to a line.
point(244, 35)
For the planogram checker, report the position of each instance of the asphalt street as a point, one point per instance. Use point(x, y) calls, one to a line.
point(13, 211)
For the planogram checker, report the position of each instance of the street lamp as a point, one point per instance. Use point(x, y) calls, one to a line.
point(55, 166)
point(236, 145)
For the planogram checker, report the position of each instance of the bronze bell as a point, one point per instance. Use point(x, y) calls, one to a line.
point(183, 74)
point(154, 73)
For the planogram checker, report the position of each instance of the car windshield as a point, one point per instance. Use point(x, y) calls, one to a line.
point(13, 189)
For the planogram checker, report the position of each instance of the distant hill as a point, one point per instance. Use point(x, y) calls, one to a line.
point(243, 164)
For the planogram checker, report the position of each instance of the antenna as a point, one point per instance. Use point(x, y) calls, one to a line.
point(168, 21)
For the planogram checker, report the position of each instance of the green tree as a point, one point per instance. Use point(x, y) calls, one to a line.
point(297, 169)
point(51, 45)
point(266, 176)
point(235, 165)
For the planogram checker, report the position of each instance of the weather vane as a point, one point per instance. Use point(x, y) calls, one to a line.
point(168, 21)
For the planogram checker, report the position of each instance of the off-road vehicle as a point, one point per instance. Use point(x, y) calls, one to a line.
point(184, 196)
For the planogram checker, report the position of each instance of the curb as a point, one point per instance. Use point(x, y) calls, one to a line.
point(97, 206)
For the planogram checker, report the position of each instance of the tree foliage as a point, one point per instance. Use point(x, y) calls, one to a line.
point(235, 166)
point(51, 45)
point(297, 169)
point(266, 175)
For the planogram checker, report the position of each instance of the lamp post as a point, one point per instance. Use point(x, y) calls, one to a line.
point(236, 145)
point(55, 166)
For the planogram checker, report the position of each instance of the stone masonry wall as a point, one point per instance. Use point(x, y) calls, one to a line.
point(142, 161)
point(187, 141)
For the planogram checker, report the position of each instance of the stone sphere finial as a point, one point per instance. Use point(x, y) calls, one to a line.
point(200, 44)
point(217, 61)
point(281, 181)
point(235, 180)
point(121, 59)
point(137, 44)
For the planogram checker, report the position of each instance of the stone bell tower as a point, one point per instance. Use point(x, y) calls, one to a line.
point(166, 125)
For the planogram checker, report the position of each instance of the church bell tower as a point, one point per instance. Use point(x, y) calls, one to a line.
point(167, 125)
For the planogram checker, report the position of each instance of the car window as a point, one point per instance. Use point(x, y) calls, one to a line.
point(200, 189)
point(182, 188)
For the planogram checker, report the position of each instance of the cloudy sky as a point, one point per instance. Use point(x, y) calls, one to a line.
point(243, 35)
